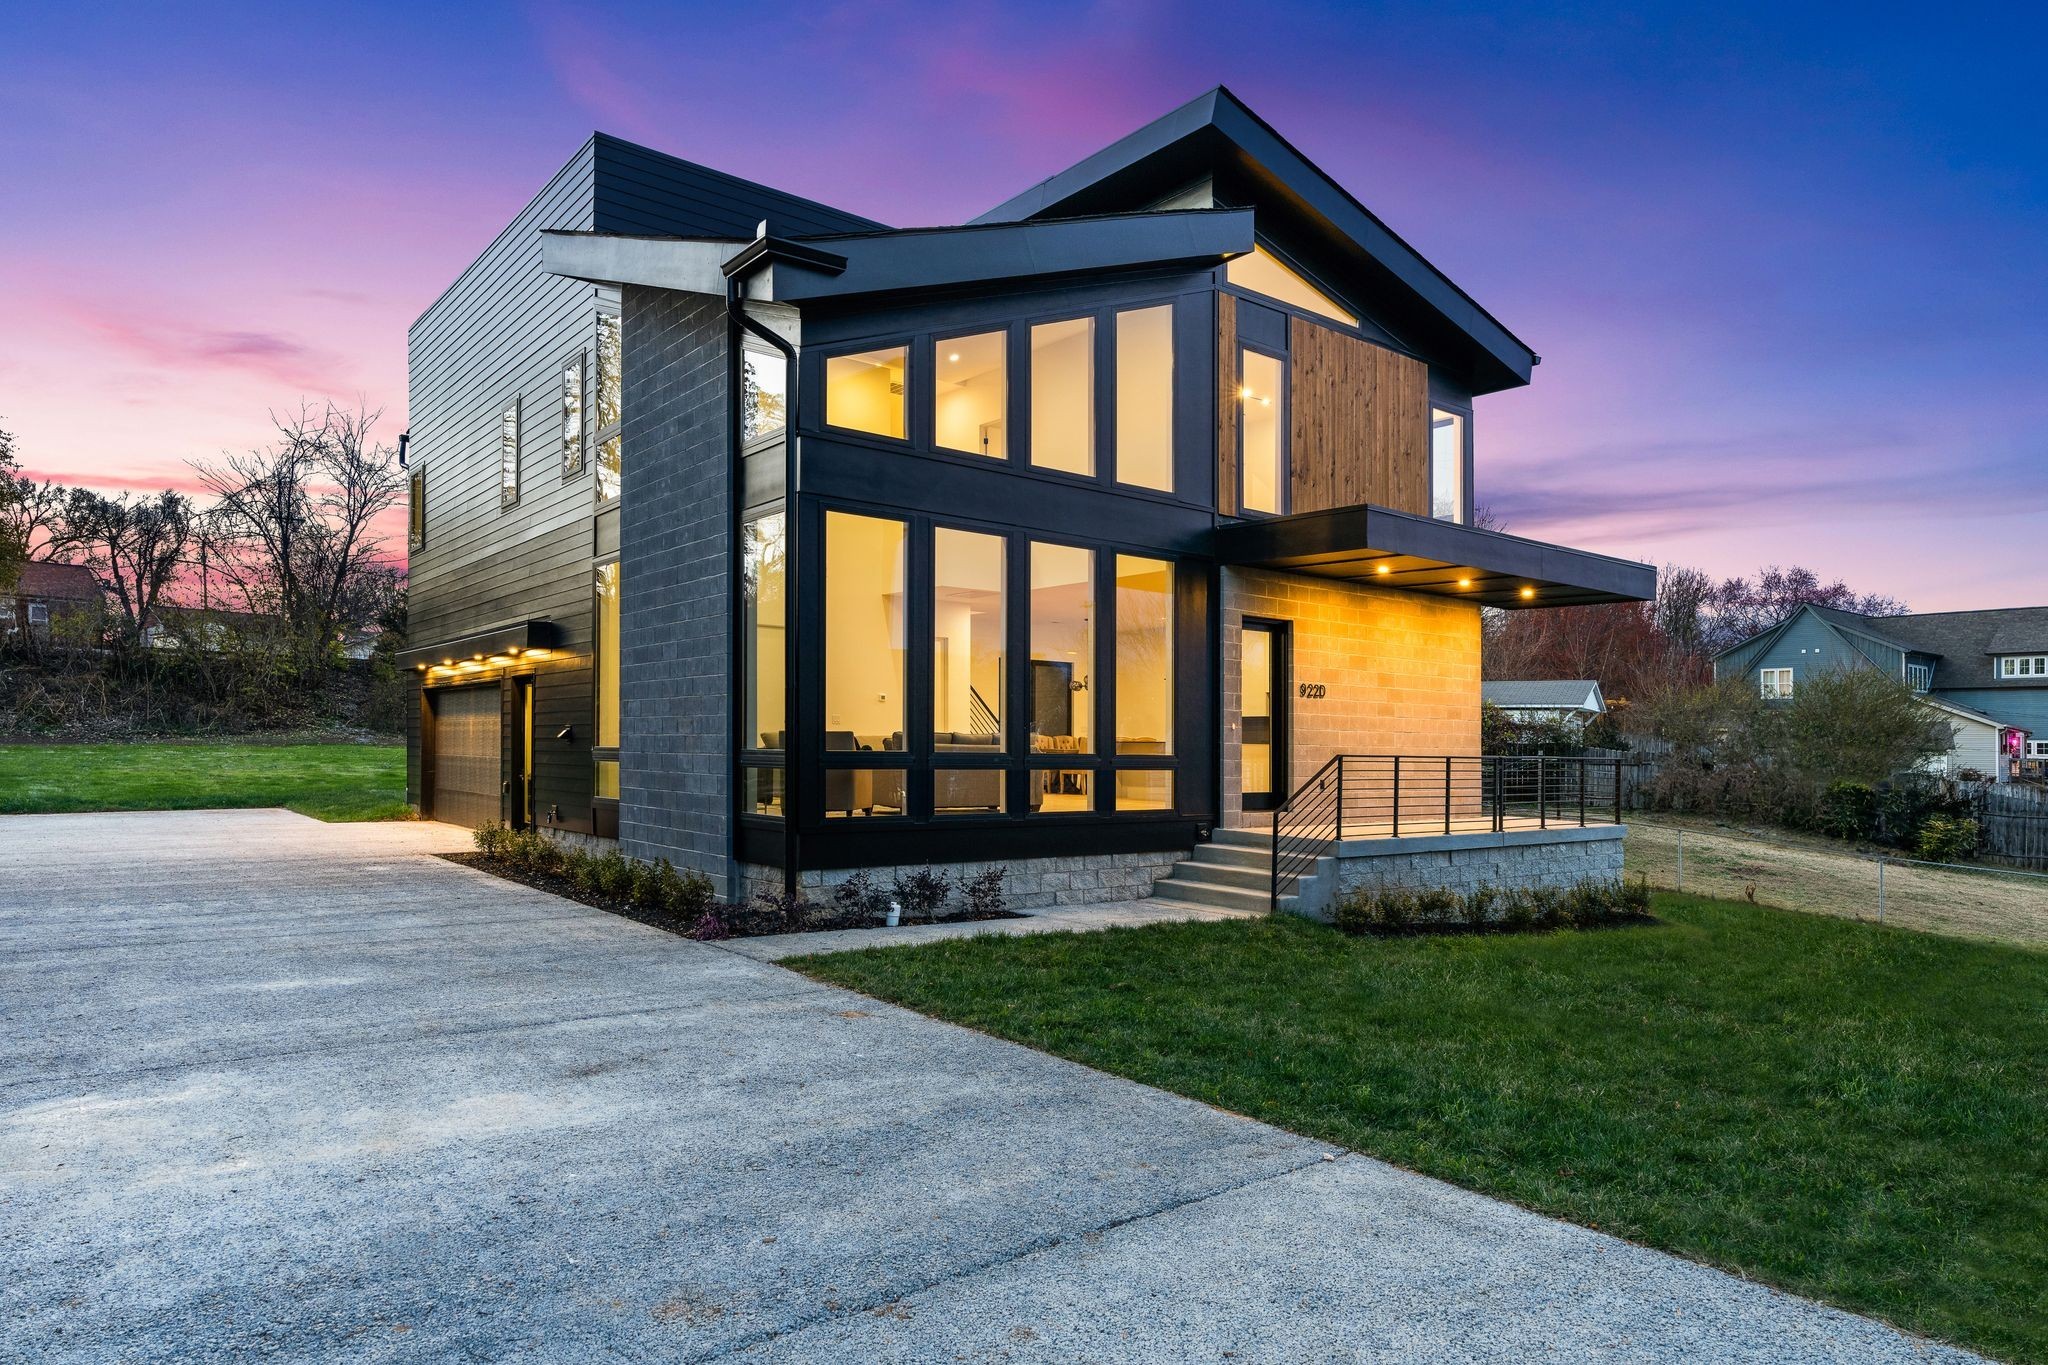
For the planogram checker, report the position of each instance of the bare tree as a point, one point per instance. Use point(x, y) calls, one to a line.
point(134, 546)
point(291, 528)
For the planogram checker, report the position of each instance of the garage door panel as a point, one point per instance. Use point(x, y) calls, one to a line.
point(467, 728)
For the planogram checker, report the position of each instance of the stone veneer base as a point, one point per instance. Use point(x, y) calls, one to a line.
point(1465, 862)
point(1028, 883)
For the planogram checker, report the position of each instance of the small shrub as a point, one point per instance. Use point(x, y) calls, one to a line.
point(490, 839)
point(1635, 898)
point(1436, 906)
point(1848, 810)
point(611, 874)
point(1547, 903)
point(1483, 907)
point(768, 912)
point(1518, 910)
point(921, 893)
point(984, 893)
point(686, 895)
point(1947, 838)
point(859, 898)
point(709, 928)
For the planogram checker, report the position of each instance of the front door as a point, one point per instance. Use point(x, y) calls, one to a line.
point(1262, 711)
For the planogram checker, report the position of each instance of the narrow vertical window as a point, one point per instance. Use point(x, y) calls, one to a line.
point(572, 416)
point(508, 455)
point(763, 624)
point(971, 394)
point(1446, 465)
point(416, 510)
point(765, 409)
point(1062, 650)
point(864, 632)
point(968, 627)
point(605, 680)
point(1261, 425)
point(1144, 397)
point(1063, 396)
point(1144, 656)
point(610, 391)
point(867, 391)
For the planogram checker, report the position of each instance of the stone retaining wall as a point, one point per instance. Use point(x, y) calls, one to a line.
point(1028, 883)
point(1466, 862)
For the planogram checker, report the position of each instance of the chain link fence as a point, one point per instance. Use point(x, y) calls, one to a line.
point(1798, 873)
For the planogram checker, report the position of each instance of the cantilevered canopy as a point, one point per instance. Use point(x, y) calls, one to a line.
point(519, 637)
point(1399, 550)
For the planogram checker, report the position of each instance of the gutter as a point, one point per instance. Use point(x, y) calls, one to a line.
point(764, 250)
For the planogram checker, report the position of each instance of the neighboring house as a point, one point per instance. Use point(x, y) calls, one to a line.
point(760, 537)
point(44, 594)
point(1986, 672)
point(1574, 700)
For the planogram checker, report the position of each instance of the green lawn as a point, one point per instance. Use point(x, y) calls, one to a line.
point(331, 781)
point(1852, 1112)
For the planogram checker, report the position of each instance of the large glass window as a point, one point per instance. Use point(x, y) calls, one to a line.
point(1144, 397)
point(1264, 273)
point(968, 626)
point(572, 415)
point(1063, 396)
point(1261, 425)
point(762, 621)
point(866, 391)
point(864, 632)
point(610, 389)
point(606, 682)
point(766, 406)
point(508, 454)
point(1446, 465)
point(1062, 649)
point(971, 394)
point(1144, 656)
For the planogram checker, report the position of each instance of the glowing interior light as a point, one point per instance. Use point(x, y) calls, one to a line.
point(1383, 569)
point(1528, 592)
point(1464, 582)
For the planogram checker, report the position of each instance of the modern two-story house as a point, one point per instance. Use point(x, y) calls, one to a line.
point(1984, 672)
point(755, 535)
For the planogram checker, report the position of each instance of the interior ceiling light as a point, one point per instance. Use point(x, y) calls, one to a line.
point(1528, 592)
point(1464, 582)
point(1383, 569)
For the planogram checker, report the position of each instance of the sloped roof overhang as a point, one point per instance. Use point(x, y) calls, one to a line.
point(846, 266)
point(1367, 544)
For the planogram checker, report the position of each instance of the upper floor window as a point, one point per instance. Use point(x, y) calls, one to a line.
point(1919, 677)
point(1446, 465)
point(572, 416)
point(1144, 397)
point(1262, 272)
point(610, 390)
point(1261, 431)
point(764, 409)
point(2024, 666)
point(971, 394)
point(868, 391)
point(508, 454)
point(1777, 683)
point(416, 510)
point(2037, 748)
point(1063, 396)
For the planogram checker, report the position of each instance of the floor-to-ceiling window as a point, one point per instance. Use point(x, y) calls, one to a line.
point(1062, 643)
point(970, 628)
point(605, 681)
point(866, 636)
point(763, 628)
point(1144, 680)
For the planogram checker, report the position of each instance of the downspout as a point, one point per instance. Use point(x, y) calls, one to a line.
point(738, 321)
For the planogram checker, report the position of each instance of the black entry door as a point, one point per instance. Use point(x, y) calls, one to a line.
point(1262, 713)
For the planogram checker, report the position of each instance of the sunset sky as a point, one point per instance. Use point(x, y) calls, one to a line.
point(1787, 266)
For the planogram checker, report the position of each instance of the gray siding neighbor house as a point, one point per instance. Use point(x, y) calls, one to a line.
point(754, 535)
point(1985, 672)
point(1573, 699)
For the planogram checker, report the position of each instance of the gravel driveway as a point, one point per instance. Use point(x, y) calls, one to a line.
point(272, 1088)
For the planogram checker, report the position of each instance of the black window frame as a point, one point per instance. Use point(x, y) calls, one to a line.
point(894, 341)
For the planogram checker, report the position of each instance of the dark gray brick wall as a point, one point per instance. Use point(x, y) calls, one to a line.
point(674, 532)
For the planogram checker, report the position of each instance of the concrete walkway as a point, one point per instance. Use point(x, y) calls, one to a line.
point(273, 1089)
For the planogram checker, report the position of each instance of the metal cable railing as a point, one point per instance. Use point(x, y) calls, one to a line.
point(1396, 796)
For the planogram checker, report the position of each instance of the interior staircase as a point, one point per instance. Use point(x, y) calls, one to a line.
point(1233, 871)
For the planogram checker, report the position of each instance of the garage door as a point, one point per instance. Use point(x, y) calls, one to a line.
point(466, 777)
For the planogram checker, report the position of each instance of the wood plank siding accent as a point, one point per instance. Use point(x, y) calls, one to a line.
point(1226, 404)
point(1360, 423)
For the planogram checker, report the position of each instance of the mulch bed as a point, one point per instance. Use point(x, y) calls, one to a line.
point(749, 920)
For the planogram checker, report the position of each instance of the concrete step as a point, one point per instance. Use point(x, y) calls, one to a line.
point(1252, 878)
point(1241, 838)
point(1202, 893)
point(1225, 855)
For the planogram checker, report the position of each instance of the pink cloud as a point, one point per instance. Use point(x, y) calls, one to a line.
point(187, 345)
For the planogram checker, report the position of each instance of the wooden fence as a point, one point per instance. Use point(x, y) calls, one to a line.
point(2015, 827)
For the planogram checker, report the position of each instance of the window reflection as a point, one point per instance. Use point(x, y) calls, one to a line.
point(764, 408)
point(609, 392)
point(1261, 408)
point(1446, 465)
point(762, 626)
